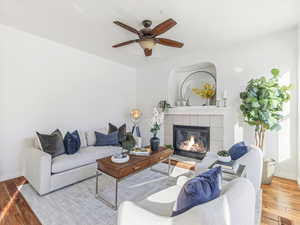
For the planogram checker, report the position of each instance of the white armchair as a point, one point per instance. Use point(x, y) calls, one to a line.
point(235, 206)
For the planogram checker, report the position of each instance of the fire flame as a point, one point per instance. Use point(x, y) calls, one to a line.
point(191, 142)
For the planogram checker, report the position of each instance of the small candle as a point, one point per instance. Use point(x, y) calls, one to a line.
point(225, 94)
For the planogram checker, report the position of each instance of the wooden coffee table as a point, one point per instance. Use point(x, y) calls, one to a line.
point(135, 164)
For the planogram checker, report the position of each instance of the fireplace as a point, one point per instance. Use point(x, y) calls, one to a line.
point(191, 141)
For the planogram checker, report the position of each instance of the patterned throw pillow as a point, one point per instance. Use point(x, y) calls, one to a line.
point(72, 142)
point(52, 143)
point(199, 190)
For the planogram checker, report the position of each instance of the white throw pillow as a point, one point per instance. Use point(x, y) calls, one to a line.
point(91, 137)
point(82, 137)
point(36, 143)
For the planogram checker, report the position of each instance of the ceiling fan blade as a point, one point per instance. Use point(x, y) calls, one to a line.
point(163, 27)
point(124, 43)
point(148, 51)
point(169, 42)
point(129, 28)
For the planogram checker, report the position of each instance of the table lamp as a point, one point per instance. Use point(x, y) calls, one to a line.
point(135, 116)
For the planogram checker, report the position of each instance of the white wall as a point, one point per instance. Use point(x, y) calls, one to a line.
point(235, 66)
point(45, 85)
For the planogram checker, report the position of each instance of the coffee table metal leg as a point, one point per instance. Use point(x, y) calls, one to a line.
point(116, 195)
point(97, 173)
point(99, 197)
point(159, 171)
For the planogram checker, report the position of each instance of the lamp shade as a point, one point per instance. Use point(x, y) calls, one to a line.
point(135, 114)
point(147, 44)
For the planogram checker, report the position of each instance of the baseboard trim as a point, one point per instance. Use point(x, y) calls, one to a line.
point(11, 176)
point(286, 175)
point(298, 181)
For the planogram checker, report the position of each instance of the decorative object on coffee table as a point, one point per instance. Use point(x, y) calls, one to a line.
point(120, 158)
point(224, 156)
point(262, 105)
point(129, 142)
point(135, 116)
point(157, 120)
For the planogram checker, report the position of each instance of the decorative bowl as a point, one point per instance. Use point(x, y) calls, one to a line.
point(224, 158)
point(120, 160)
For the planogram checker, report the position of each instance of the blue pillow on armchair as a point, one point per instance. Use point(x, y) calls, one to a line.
point(238, 150)
point(72, 142)
point(107, 139)
point(201, 189)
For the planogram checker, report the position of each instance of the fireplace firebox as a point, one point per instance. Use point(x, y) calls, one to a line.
point(191, 141)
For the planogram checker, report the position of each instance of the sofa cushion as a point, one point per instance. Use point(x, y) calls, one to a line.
point(121, 131)
point(83, 157)
point(52, 143)
point(238, 150)
point(91, 137)
point(201, 189)
point(83, 142)
point(107, 139)
point(72, 142)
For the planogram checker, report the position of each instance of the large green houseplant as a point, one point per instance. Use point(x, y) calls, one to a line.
point(262, 105)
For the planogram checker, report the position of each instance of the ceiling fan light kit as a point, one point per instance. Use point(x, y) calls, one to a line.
point(148, 37)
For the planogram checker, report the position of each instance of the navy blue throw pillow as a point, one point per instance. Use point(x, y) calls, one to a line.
point(107, 139)
point(199, 190)
point(72, 142)
point(238, 150)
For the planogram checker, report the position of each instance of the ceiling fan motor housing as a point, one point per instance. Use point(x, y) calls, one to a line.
point(147, 23)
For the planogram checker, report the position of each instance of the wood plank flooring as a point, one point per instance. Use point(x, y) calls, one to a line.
point(14, 209)
point(281, 203)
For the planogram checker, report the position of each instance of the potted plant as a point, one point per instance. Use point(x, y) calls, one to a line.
point(164, 106)
point(224, 156)
point(157, 120)
point(129, 142)
point(262, 105)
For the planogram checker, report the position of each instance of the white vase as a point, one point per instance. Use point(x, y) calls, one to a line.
point(208, 101)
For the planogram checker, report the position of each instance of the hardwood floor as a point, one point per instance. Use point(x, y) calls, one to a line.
point(14, 210)
point(281, 203)
point(281, 199)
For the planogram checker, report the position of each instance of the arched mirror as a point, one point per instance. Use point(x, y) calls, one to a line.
point(196, 80)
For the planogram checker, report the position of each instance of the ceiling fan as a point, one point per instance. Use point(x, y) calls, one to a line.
point(148, 37)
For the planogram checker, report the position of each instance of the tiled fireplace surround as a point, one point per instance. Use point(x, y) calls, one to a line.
point(215, 122)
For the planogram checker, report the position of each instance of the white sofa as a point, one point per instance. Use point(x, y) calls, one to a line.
point(46, 174)
point(237, 204)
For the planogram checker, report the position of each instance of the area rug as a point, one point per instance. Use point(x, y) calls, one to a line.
point(76, 204)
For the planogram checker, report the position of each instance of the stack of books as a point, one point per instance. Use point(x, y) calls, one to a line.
point(230, 169)
point(140, 151)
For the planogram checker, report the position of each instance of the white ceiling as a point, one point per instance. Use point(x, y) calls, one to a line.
point(87, 24)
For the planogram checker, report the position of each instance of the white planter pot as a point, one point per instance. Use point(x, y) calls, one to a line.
point(224, 159)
